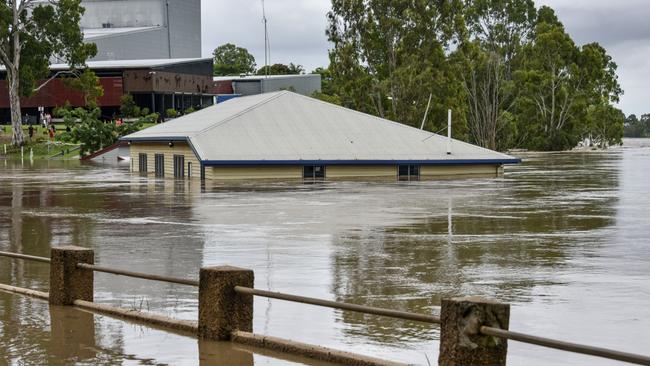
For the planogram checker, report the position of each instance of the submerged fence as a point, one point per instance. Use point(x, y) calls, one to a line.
point(474, 330)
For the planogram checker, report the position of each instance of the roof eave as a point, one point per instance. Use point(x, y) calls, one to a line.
point(362, 162)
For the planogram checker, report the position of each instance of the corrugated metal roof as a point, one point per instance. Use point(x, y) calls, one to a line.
point(262, 77)
point(127, 64)
point(284, 126)
point(95, 33)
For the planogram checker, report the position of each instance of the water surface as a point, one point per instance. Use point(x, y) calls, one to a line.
point(562, 237)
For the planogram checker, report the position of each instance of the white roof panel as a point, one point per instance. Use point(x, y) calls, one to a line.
point(284, 126)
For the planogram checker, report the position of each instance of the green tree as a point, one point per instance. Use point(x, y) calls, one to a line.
point(128, 108)
point(605, 125)
point(633, 127)
point(281, 69)
point(88, 84)
point(31, 33)
point(485, 60)
point(93, 134)
point(388, 56)
point(558, 82)
point(232, 60)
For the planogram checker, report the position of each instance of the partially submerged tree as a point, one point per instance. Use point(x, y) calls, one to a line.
point(230, 59)
point(32, 32)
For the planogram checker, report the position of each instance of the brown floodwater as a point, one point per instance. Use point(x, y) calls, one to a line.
point(563, 237)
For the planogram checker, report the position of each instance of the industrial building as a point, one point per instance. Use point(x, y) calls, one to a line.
point(285, 135)
point(155, 84)
point(143, 29)
point(306, 84)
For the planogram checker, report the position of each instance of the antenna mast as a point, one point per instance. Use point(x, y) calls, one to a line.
point(267, 45)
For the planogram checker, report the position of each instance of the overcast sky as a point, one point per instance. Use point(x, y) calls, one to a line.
point(297, 34)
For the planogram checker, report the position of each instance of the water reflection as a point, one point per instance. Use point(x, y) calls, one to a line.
point(553, 237)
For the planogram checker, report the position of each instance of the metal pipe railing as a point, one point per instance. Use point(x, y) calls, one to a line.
point(144, 276)
point(25, 257)
point(488, 331)
point(567, 346)
point(340, 305)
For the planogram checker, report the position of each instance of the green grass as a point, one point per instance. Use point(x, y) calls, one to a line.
point(39, 144)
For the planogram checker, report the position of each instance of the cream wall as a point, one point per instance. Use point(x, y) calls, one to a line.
point(152, 148)
point(441, 171)
point(253, 172)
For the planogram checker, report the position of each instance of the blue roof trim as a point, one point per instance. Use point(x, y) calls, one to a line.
point(360, 162)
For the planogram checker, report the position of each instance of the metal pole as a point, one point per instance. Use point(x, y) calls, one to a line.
point(426, 112)
point(449, 132)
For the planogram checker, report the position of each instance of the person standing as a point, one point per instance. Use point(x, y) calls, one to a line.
point(31, 131)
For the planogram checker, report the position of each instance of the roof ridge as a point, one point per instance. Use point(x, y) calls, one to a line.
point(388, 121)
point(384, 120)
point(240, 113)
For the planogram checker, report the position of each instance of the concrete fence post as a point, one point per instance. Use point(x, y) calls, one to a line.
point(67, 282)
point(461, 342)
point(221, 309)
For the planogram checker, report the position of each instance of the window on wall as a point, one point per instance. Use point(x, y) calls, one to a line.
point(160, 165)
point(189, 170)
point(142, 163)
point(313, 172)
point(408, 172)
point(179, 166)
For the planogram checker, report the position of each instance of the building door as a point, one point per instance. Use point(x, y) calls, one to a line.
point(160, 165)
point(142, 162)
point(179, 166)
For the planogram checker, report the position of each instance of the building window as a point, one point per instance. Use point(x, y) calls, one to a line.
point(313, 172)
point(142, 162)
point(160, 165)
point(408, 172)
point(179, 166)
point(189, 170)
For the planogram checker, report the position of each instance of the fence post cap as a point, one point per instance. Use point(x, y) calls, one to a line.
point(70, 248)
point(474, 299)
point(225, 269)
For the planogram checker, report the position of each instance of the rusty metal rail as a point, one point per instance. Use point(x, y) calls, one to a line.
point(119, 272)
point(340, 305)
point(25, 257)
point(567, 346)
point(487, 331)
point(144, 276)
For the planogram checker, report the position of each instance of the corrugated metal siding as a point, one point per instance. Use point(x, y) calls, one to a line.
point(253, 172)
point(152, 148)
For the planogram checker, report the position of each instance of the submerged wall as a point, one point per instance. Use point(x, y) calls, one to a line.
point(192, 166)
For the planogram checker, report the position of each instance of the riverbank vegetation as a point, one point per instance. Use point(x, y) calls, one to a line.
point(637, 127)
point(510, 72)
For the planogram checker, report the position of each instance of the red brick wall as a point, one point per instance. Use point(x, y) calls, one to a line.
point(56, 94)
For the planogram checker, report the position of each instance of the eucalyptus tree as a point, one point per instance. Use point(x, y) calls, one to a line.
point(559, 81)
point(33, 32)
point(389, 56)
point(496, 31)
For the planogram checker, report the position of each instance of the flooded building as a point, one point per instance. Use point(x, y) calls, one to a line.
point(285, 135)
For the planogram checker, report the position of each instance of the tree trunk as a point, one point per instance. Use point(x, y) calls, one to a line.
point(17, 138)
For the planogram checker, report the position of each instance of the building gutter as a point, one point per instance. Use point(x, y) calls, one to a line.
point(362, 162)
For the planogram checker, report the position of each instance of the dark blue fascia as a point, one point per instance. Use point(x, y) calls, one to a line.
point(361, 162)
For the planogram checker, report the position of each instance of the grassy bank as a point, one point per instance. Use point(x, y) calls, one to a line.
point(39, 144)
